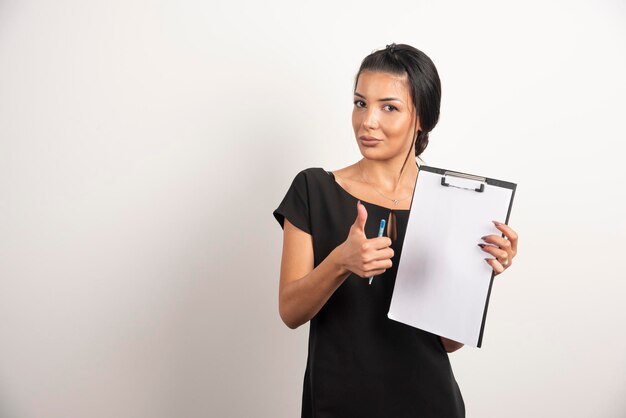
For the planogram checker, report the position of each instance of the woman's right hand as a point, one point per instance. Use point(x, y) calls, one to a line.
point(362, 256)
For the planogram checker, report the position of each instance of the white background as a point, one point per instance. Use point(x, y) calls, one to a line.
point(144, 146)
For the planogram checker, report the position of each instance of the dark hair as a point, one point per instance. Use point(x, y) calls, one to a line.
point(423, 80)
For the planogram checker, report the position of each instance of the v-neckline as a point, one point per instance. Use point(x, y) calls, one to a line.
point(334, 180)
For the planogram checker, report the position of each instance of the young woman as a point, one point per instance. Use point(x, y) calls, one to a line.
point(360, 362)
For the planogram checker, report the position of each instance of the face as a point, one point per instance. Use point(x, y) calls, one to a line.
point(383, 110)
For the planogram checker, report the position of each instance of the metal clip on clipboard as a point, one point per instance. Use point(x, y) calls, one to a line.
point(454, 175)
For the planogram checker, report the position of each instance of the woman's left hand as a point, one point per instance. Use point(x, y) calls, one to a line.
point(502, 249)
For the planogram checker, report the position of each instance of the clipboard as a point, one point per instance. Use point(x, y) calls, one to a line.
point(443, 283)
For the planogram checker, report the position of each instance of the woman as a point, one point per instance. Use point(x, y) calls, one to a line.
point(360, 362)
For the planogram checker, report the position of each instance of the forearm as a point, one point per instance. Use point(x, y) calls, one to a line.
point(300, 300)
point(450, 345)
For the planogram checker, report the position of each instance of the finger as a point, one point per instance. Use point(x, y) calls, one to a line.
point(375, 257)
point(495, 265)
point(370, 273)
point(361, 217)
point(509, 233)
point(375, 244)
point(379, 243)
point(383, 254)
point(378, 264)
point(498, 241)
point(494, 251)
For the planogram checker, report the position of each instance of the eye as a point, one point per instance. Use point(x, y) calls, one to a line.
point(359, 103)
point(389, 107)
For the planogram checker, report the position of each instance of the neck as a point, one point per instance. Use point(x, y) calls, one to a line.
point(390, 175)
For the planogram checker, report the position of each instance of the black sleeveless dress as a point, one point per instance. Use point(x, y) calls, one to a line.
point(360, 363)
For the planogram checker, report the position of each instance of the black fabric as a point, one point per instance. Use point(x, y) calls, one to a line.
point(361, 363)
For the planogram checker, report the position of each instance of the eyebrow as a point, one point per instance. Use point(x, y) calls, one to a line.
point(384, 99)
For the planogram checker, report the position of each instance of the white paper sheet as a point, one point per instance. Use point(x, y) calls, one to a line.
point(443, 280)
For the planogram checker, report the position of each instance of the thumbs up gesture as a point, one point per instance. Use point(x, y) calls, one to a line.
point(362, 256)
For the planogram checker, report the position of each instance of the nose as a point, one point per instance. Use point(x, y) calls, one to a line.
point(370, 119)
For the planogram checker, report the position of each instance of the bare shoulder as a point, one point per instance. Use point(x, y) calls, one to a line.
point(347, 177)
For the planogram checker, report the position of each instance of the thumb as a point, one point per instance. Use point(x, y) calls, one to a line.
point(361, 217)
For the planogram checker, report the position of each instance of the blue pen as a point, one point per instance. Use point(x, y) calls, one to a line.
point(381, 229)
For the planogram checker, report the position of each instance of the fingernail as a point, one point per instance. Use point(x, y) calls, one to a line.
point(488, 260)
point(497, 223)
point(481, 245)
point(483, 237)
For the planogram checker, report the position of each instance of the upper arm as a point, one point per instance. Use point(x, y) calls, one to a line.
point(297, 259)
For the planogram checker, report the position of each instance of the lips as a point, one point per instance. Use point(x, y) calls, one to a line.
point(368, 138)
point(369, 141)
